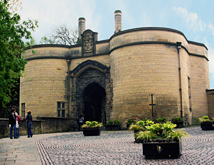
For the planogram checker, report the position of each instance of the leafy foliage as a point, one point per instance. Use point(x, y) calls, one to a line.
point(12, 30)
point(163, 131)
point(91, 124)
point(205, 119)
point(161, 120)
point(141, 125)
point(131, 121)
point(113, 122)
point(177, 119)
point(176, 135)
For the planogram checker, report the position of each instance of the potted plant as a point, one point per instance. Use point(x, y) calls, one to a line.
point(178, 121)
point(141, 125)
point(161, 120)
point(206, 123)
point(161, 141)
point(91, 128)
point(112, 125)
point(130, 122)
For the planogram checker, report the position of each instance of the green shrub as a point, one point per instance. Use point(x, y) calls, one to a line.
point(204, 119)
point(110, 122)
point(176, 135)
point(115, 122)
point(135, 127)
point(141, 125)
point(91, 124)
point(177, 119)
point(161, 120)
point(131, 121)
point(162, 131)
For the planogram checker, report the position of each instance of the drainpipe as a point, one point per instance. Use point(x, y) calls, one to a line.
point(68, 60)
point(179, 70)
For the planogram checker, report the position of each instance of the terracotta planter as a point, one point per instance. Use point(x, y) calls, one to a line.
point(162, 150)
point(112, 127)
point(91, 132)
point(207, 126)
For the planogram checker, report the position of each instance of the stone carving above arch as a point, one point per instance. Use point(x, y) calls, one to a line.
point(88, 64)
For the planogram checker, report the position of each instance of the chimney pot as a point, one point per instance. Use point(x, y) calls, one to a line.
point(118, 21)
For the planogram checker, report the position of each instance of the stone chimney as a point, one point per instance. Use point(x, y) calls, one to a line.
point(118, 21)
point(81, 27)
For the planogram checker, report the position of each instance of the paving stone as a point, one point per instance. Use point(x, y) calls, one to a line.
point(119, 148)
point(111, 148)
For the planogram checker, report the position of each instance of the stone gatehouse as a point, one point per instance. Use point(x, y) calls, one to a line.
point(137, 73)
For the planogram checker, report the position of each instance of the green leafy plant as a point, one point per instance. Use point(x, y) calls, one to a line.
point(177, 119)
point(91, 124)
point(115, 122)
point(110, 122)
point(141, 125)
point(161, 120)
point(160, 131)
point(176, 135)
point(136, 127)
point(131, 121)
point(205, 119)
point(144, 136)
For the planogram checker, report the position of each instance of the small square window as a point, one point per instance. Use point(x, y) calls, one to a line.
point(61, 109)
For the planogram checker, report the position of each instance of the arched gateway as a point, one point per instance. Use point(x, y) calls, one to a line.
point(91, 91)
point(94, 103)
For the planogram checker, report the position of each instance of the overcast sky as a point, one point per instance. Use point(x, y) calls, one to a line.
point(194, 18)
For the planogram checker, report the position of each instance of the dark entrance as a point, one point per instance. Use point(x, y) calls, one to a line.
point(94, 103)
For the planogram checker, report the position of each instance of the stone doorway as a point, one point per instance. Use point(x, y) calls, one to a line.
point(94, 97)
point(92, 89)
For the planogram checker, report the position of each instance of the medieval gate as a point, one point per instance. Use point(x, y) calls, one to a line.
point(92, 91)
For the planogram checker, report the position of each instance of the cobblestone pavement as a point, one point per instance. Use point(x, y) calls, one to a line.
point(118, 148)
point(110, 148)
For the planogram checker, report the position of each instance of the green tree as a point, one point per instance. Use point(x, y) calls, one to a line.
point(12, 64)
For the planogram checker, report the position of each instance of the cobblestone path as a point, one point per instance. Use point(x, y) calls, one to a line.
point(118, 148)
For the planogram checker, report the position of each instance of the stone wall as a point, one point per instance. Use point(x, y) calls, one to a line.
point(210, 96)
point(42, 125)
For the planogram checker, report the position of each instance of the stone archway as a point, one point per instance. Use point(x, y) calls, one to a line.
point(92, 76)
point(94, 97)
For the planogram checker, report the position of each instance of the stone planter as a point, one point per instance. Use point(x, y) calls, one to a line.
point(207, 126)
point(162, 150)
point(91, 132)
point(112, 127)
point(179, 124)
